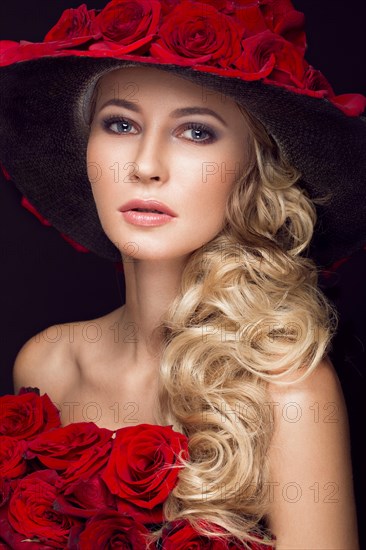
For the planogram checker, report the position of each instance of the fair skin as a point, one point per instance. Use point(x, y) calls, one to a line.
point(112, 380)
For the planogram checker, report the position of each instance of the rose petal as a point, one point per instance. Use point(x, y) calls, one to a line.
point(350, 104)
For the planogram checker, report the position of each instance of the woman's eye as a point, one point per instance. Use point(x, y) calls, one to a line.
point(122, 124)
point(199, 133)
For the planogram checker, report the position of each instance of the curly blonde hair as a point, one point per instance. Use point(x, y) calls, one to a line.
point(249, 312)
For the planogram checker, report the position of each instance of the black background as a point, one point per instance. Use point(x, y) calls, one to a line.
point(44, 281)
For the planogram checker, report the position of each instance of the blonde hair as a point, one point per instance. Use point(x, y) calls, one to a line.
point(249, 312)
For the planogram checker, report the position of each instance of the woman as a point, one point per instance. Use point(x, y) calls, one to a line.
point(203, 189)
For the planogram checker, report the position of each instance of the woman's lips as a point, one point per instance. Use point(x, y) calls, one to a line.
point(147, 212)
point(146, 218)
point(150, 205)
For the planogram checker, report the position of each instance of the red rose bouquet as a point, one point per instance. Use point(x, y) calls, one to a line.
point(80, 486)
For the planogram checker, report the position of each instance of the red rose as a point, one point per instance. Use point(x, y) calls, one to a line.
point(282, 18)
point(84, 498)
point(271, 56)
point(5, 491)
point(31, 510)
point(197, 33)
point(350, 104)
point(226, 6)
point(167, 6)
point(27, 414)
point(73, 23)
point(23, 51)
point(315, 80)
point(7, 50)
point(180, 535)
point(110, 529)
point(80, 449)
point(127, 23)
point(251, 18)
point(140, 514)
point(143, 468)
point(13, 540)
point(12, 51)
point(12, 463)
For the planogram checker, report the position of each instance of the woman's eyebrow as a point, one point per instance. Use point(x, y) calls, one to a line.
point(131, 105)
point(183, 111)
point(196, 111)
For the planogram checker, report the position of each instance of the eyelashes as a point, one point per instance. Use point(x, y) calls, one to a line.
point(108, 121)
point(197, 129)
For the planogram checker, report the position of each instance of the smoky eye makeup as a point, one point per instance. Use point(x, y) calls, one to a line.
point(197, 129)
point(123, 122)
point(200, 133)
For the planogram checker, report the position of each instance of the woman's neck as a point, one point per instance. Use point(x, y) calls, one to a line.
point(151, 286)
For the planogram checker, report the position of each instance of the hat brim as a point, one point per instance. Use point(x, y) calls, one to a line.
point(44, 134)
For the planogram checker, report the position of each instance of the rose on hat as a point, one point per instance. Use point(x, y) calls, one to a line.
point(266, 40)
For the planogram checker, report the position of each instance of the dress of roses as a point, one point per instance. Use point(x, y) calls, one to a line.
point(80, 486)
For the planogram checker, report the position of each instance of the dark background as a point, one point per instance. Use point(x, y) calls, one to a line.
point(44, 281)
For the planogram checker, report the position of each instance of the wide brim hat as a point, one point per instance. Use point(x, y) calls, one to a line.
point(255, 55)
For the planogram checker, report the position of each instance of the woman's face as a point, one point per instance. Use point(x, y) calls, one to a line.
point(170, 141)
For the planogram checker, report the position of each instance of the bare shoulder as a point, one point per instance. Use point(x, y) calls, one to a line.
point(53, 359)
point(45, 361)
point(311, 500)
point(323, 383)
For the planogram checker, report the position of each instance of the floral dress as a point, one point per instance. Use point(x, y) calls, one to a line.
point(81, 487)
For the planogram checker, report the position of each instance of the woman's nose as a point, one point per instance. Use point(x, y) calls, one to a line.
point(150, 160)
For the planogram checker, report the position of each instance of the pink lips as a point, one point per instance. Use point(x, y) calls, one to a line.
point(147, 212)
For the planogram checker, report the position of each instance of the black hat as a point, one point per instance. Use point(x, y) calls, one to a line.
point(254, 55)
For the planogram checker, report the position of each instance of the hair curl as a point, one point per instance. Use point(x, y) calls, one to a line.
point(249, 313)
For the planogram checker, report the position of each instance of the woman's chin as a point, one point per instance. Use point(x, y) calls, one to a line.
point(131, 253)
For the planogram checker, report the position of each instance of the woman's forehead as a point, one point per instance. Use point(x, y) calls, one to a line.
point(142, 82)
